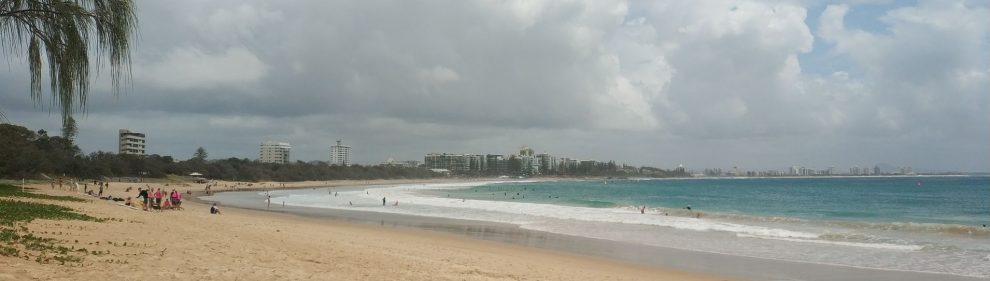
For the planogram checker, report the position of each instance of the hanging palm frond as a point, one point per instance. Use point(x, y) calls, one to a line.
point(64, 31)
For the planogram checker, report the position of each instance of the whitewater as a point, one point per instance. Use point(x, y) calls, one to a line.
point(601, 210)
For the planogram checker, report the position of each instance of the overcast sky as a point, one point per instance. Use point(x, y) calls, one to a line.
point(753, 84)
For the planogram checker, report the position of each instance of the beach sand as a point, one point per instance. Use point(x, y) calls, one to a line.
point(244, 244)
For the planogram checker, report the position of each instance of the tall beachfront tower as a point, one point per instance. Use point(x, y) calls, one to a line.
point(131, 142)
point(340, 154)
point(274, 152)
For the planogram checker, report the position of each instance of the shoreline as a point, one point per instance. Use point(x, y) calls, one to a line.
point(687, 260)
point(261, 245)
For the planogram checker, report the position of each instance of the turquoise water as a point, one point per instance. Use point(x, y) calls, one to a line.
point(963, 200)
point(927, 224)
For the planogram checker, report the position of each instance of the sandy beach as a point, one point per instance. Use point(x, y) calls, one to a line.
point(245, 244)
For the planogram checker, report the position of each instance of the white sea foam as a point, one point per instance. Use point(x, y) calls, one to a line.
point(798, 240)
point(786, 240)
point(887, 246)
point(529, 213)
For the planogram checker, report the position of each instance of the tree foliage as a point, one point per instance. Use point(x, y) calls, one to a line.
point(27, 154)
point(200, 154)
point(66, 32)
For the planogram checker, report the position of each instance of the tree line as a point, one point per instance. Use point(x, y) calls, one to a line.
point(32, 155)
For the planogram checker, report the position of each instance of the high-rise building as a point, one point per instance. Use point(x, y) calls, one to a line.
point(476, 162)
point(274, 152)
point(496, 164)
point(450, 162)
point(131, 142)
point(340, 154)
point(526, 151)
point(548, 163)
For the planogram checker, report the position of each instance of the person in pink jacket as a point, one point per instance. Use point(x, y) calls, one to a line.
point(176, 198)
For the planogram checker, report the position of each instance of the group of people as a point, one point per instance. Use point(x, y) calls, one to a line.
point(155, 199)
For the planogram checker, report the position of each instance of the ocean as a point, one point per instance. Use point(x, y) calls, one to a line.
point(919, 223)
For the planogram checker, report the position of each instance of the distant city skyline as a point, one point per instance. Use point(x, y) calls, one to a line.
point(707, 84)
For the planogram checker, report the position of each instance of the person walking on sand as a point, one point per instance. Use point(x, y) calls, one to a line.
point(383, 201)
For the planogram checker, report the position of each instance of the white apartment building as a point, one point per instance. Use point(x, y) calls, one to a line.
point(274, 152)
point(340, 154)
point(131, 142)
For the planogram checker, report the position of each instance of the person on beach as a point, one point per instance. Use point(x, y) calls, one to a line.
point(176, 198)
point(642, 210)
point(158, 198)
point(215, 210)
point(383, 201)
point(143, 194)
point(167, 204)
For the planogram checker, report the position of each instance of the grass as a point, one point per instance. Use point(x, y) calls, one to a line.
point(20, 211)
point(16, 242)
point(7, 190)
point(43, 249)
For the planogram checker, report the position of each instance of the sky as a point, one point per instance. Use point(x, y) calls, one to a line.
point(705, 84)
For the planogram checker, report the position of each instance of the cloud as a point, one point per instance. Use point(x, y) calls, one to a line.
point(725, 69)
point(923, 75)
point(643, 82)
point(191, 68)
point(437, 75)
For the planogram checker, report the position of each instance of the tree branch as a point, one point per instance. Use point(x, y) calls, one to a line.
point(16, 12)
